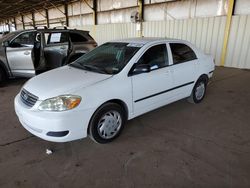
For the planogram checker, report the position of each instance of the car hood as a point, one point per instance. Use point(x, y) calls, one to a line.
point(62, 81)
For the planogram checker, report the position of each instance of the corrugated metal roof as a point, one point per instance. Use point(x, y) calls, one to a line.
point(11, 8)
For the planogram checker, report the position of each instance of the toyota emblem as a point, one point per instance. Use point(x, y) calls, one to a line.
point(25, 96)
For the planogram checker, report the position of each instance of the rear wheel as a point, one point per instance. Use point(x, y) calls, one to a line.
point(107, 123)
point(198, 92)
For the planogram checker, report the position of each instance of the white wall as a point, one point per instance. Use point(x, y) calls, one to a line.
point(206, 33)
point(242, 7)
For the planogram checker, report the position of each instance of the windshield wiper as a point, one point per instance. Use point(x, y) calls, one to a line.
point(76, 65)
point(94, 68)
point(89, 68)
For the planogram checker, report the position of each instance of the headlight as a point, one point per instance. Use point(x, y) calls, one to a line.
point(60, 103)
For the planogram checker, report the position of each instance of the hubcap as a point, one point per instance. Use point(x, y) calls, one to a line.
point(200, 91)
point(109, 125)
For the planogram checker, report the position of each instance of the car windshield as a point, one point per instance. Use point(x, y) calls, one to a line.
point(109, 58)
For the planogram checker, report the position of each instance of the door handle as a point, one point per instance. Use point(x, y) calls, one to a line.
point(26, 53)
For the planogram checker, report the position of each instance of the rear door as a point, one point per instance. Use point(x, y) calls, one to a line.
point(184, 60)
point(20, 54)
point(56, 48)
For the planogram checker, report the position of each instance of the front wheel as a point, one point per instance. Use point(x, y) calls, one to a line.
point(2, 77)
point(107, 123)
point(198, 92)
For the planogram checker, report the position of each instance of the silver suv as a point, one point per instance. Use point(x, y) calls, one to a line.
point(30, 52)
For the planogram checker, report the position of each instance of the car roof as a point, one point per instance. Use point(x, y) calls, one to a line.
point(145, 40)
point(51, 30)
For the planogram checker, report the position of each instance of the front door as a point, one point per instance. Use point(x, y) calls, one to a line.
point(150, 89)
point(20, 54)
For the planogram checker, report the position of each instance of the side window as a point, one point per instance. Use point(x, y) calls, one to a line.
point(181, 53)
point(156, 57)
point(24, 40)
point(57, 38)
point(75, 37)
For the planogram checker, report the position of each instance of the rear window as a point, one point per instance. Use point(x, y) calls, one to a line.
point(182, 53)
point(75, 37)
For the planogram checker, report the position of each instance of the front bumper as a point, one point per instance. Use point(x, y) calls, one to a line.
point(54, 126)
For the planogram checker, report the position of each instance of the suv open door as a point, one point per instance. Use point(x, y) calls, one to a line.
point(20, 53)
point(56, 48)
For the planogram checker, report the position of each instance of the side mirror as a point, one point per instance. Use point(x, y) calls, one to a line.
point(6, 43)
point(141, 68)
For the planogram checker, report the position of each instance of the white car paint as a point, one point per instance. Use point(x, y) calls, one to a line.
point(96, 89)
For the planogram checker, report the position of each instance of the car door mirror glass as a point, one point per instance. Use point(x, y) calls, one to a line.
point(141, 68)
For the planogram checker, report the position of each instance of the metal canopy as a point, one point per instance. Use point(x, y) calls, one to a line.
point(12, 8)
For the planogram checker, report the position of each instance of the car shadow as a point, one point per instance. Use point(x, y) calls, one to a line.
point(15, 82)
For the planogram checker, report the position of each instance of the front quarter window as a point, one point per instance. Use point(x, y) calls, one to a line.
point(109, 58)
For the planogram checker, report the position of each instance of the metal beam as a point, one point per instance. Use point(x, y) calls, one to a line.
point(57, 8)
point(26, 15)
point(141, 10)
point(12, 8)
point(8, 23)
point(14, 19)
point(141, 15)
point(95, 12)
point(33, 19)
point(227, 31)
point(66, 14)
point(23, 22)
point(18, 19)
point(47, 17)
point(39, 13)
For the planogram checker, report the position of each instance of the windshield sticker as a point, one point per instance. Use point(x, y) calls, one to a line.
point(135, 45)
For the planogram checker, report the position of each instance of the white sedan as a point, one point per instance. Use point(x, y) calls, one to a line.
point(115, 82)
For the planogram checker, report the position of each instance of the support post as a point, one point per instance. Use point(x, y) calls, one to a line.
point(14, 19)
point(8, 23)
point(47, 17)
point(33, 19)
point(141, 15)
point(23, 22)
point(141, 9)
point(66, 14)
point(227, 31)
point(95, 12)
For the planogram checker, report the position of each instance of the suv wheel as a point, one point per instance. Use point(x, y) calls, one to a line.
point(2, 77)
point(107, 123)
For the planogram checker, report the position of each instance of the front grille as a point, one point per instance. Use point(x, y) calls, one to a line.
point(28, 98)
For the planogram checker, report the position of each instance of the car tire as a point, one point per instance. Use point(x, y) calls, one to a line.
point(2, 77)
point(198, 92)
point(107, 123)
